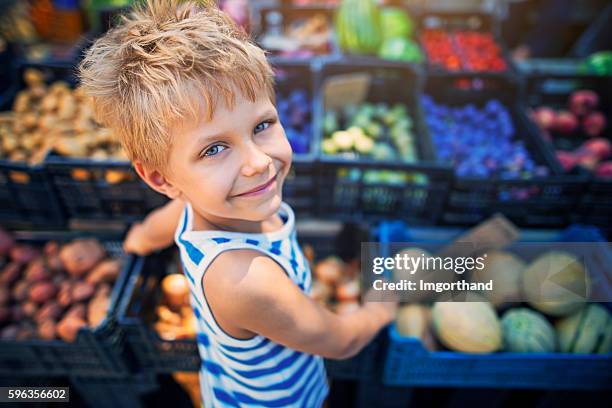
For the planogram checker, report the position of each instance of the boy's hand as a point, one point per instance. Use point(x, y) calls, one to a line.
point(137, 241)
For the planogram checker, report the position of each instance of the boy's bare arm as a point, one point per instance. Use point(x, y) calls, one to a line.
point(156, 231)
point(253, 293)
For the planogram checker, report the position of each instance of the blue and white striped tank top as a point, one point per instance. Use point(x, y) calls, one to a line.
point(255, 372)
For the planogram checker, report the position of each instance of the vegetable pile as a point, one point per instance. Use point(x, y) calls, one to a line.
point(53, 291)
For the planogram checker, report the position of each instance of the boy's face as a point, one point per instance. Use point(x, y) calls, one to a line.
point(233, 166)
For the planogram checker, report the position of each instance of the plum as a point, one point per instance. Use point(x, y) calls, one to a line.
point(583, 101)
point(545, 117)
point(567, 159)
point(604, 170)
point(594, 123)
point(565, 122)
point(599, 147)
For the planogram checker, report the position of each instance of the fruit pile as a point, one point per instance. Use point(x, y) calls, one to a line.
point(335, 283)
point(479, 142)
point(463, 50)
point(295, 114)
point(175, 317)
point(564, 322)
point(568, 128)
point(57, 118)
point(376, 131)
point(53, 291)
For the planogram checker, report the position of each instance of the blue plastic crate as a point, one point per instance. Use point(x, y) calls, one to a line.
point(409, 363)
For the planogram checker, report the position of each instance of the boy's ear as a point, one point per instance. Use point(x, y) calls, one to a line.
point(156, 180)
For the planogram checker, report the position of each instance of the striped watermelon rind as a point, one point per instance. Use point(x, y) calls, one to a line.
point(527, 331)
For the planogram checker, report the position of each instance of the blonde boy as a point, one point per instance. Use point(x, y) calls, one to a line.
point(192, 101)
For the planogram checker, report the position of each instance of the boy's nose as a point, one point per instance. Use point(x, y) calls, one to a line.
point(255, 161)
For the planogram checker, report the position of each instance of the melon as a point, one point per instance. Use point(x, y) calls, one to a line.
point(358, 26)
point(555, 283)
point(587, 331)
point(505, 270)
point(421, 274)
point(413, 320)
point(471, 327)
point(527, 331)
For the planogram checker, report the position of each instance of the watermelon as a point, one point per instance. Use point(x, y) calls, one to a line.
point(471, 327)
point(358, 26)
point(556, 283)
point(400, 49)
point(527, 331)
point(395, 23)
point(586, 331)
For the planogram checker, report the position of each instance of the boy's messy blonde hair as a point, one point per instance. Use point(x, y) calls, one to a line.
point(167, 61)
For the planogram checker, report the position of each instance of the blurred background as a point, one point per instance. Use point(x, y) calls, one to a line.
point(411, 121)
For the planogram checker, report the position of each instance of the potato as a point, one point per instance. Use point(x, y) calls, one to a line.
point(41, 292)
point(10, 274)
point(49, 102)
point(176, 290)
point(23, 254)
point(51, 248)
point(66, 107)
point(69, 146)
point(96, 310)
point(33, 77)
point(29, 309)
point(38, 91)
point(25, 332)
point(167, 316)
point(82, 291)
point(47, 330)
point(9, 332)
point(21, 290)
point(5, 295)
point(68, 328)
point(17, 312)
point(54, 263)
point(76, 311)
point(6, 242)
point(22, 102)
point(5, 314)
point(81, 255)
point(105, 271)
point(51, 310)
point(36, 271)
point(64, 297)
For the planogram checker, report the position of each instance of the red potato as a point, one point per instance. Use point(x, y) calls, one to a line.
point(36, 271)
point(594, 124)
point(54, 263)
point(41, 292)
point(105, 271)
point(29, 309)
point(47, 330)
point(49, 311)
point(5, 296)
point(6, 242)
point(21, 290)
point(96, 310)
point(76, 311)
point(82, 291)
point(23, 254)
point(68, 328)
point(17, 313)
point(10, 274)
point(81, 255)
point(64, 296)
point(51, 248)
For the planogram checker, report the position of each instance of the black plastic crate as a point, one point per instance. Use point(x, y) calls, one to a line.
point(98, 351)
point(364, 188)
point(137, 308)
point(285, 17)
point(293, 78)
point(118, 392)
point(28, 197)
point(548, 85)
point(468, 21)
point(101, 190)
point(542, 201)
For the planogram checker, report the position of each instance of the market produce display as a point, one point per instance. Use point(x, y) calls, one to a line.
point(57, 118)
point(358, 26)
point(527, 331)
point(295, 112)
point(506, 270)
point(376, 131)
point(301, 38)
point(52, 291)
point(480, 142)
point(462, 50)
point(576, 131)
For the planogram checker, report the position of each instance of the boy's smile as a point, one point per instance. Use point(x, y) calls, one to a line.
point(232, 168)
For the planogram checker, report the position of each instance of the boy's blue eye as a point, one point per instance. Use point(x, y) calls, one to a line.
point(213, 150)
point(262, 126)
